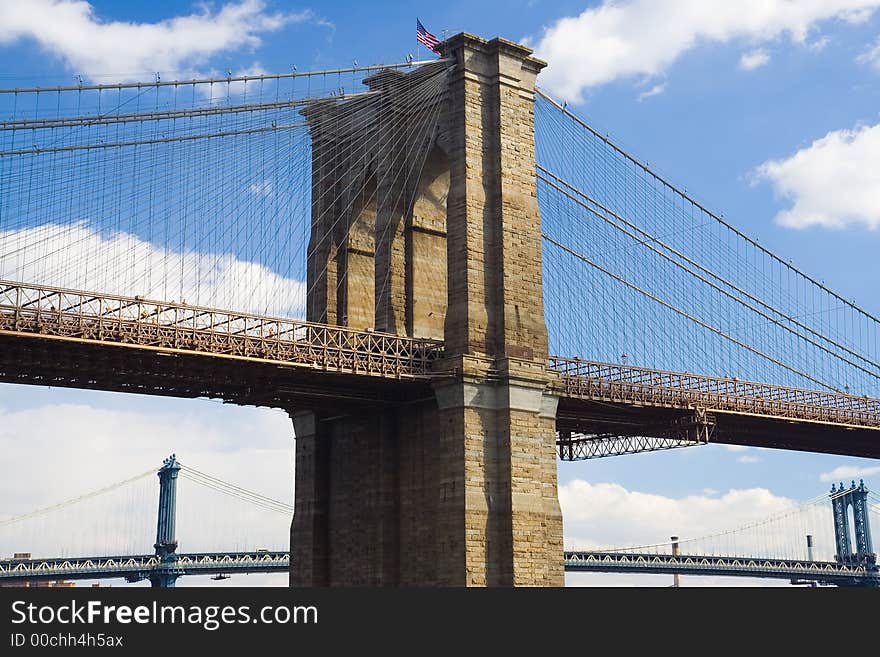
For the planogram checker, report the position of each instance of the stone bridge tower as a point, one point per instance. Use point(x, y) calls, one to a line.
point(457, 486)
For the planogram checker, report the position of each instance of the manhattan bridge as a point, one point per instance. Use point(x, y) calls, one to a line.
point(105, 533)
point(446, 278)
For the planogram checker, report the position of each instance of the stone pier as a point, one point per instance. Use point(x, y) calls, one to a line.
point(457, 487)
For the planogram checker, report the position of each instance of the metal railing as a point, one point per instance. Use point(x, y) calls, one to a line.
point(53, 312)
point(625, 384)
point(115, 319)
point(598, 561)
point(140, 566)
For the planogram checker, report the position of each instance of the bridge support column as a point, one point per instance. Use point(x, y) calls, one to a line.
point(308, 530)
point(340, 267)
point(165, 576)
point(501, 408)
point(854, 544)
point(457, 487)
point(499, 500)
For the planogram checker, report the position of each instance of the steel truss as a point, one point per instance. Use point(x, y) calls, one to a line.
point(90, 319)
point(827, 572)
point(48, 312)
point(624, 384)
point(139, 567)
point(595, 447)
point(684, 431)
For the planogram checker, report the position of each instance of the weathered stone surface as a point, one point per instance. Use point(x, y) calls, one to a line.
point(458, 489)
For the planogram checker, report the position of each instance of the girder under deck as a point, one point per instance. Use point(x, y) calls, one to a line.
point(70, 338)
point(607, 409)
point(823, 572)
point(591, 429)
point(177, 373)
point(138, 567)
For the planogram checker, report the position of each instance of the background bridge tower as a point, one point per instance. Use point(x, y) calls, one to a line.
point(456, 486)
point(166, 543)
point(854, 545)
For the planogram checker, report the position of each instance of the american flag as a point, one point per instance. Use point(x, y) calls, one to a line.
point(426, 38)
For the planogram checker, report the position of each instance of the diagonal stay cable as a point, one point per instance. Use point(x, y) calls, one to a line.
point(687, 315)
point(74, 500)
point(234, 490)
point(701, 207)
point(649, 237)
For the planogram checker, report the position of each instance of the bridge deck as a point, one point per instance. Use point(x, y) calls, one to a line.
point(74, 315)
point(138, 567)
point(609, 402)
point(638, 385)
point(56, 336)
point(826, 572)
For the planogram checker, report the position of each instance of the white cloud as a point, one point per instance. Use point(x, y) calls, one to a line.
point(656, 90)
point(871, 56)
point(819, 44)
point(846, 473)
point(605, 515)
point(262, 188)
point(833, 182)
point(745, 458)
point(121, 263)
point(71, 30)
point(754, 59)
point(66, 449)
point(644, 37)
point(238, 89)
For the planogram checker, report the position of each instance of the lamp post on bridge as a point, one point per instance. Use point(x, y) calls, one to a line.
point(676, 581)
point(166, 574)
point(812, 583)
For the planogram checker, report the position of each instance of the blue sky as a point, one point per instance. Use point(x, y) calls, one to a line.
point(707, 97)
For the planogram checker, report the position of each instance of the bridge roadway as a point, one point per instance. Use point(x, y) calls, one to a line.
point(824, 572)
point(139, 567)
point(60, 337)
